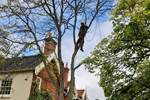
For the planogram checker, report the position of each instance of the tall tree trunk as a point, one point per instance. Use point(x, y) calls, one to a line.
point(61, 64)
point(72, 85)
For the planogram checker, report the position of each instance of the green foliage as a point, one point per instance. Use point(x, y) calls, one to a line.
point(123, 59)
point(38, 95)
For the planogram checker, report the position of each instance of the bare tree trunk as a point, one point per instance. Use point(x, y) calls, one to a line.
point(61, 64)
point(72, 85)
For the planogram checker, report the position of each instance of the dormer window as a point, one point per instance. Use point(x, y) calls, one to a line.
point(5, 87)
point(80, 98)
point(65, 91)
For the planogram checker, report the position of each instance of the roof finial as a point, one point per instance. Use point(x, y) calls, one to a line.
point(66, 65)
point(49, 34)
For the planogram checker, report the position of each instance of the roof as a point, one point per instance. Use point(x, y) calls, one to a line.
point(20, 63)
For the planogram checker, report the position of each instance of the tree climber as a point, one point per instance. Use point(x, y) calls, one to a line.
point(81, 35)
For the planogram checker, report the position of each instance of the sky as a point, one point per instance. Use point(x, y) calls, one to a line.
point(84, 79)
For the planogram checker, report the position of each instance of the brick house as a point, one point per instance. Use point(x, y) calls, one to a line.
point(17, 75)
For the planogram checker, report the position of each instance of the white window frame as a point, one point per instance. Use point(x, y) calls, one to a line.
point(6, 95)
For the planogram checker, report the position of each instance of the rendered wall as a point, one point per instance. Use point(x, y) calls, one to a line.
point(21, 85)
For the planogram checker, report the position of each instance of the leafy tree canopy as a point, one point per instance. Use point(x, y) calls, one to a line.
point(123, 58)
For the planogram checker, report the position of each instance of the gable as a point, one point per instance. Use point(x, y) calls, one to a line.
point(50, 58)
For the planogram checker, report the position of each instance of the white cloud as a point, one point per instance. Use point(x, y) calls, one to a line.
point(83, 78)
point(88, 81)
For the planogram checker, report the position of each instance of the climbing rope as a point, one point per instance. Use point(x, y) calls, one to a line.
point(93, 31)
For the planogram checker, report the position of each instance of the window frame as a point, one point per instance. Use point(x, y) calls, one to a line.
point(6, 86)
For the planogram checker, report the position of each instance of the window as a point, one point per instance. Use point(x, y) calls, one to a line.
point(38, 81)
point(65, 91)
point(5, 88)
point(80, 97)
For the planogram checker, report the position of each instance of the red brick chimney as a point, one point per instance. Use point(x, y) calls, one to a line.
point(50, 45)
point(66, 73)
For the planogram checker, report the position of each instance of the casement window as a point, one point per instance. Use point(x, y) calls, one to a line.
point(5, 87)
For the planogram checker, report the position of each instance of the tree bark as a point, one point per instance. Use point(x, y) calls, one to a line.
point(71, 93)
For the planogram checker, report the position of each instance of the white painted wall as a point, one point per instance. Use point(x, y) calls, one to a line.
point(20, 86)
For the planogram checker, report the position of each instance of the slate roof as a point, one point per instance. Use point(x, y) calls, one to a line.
point(20, 63)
